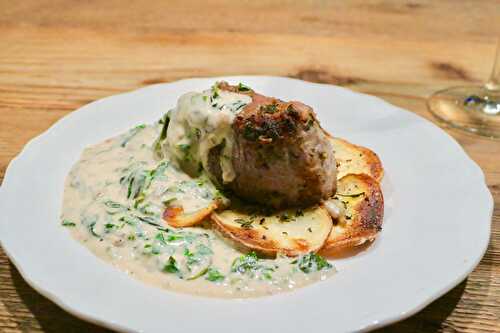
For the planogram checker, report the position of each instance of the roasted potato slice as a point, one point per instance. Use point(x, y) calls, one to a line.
point(292, 231)
point(361, 207)
point(176, 217)
point(355, 159)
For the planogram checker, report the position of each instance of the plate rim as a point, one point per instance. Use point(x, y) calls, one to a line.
point(117, 326)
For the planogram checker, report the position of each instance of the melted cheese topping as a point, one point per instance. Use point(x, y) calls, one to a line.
point(200, 122)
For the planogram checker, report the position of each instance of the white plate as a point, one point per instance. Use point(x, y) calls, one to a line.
point(436, 228)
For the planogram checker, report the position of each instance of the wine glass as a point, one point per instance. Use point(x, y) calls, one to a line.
point(475, 109)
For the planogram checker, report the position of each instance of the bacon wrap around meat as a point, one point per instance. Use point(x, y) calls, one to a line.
point(281, 155)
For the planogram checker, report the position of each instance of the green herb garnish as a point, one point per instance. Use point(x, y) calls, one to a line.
point(355, 195)
point(129, 220)
point(191, 258)
point(165, 120)
point(110, 226)
point(312, 262)
point(132, 133)
point(171, 266)
point(91, 229)
point(245, 224)
point(67, 223)
point(242, 87)
point(214, 275)
point(270, 108)
point(159, 237)
point(245, 263)
point(167, 202)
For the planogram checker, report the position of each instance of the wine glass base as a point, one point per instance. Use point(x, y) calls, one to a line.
point(474, 109)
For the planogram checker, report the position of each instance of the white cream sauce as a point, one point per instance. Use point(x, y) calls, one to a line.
point(113, 202)
point(200, 122)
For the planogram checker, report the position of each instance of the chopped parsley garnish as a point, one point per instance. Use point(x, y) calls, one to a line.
point(355, 195)
point(197, 257)
point(215, 92)
point(270, 108)
point(245, 263)
point(174, 237)
point(312, 262)
point(242, 87)
point(129, 220)
point(249, 132)
point(171, 266)
point(191, 258)
point(245, 224)
point(67, 223)
point(159, 237)
point(110, 226)
point(267, 274)
point(251, 265)
point(214, 275)
point(169, 201)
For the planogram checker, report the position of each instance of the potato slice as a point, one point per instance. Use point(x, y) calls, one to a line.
point(291, 232)
point(176, 217)
point(361, 206)
point(355, 159)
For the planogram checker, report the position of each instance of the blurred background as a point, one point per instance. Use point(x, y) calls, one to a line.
point(56, 56)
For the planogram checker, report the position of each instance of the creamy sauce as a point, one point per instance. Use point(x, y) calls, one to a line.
point(200, 122)
point(113, 202)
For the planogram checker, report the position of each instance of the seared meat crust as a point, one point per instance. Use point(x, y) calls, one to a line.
point(281, 156)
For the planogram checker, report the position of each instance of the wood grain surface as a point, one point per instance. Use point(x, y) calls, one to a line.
point(56, 56)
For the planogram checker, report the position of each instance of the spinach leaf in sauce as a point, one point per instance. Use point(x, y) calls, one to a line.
point(250, 265)
point(243, 88)
point(138, 180)
point(245, 263)
point(213, 275)
point(312, 262)
point(92, 231)
point(67, 223)
point(157, 146)
point(113, 207)
point(171, 266)
point(131, 134)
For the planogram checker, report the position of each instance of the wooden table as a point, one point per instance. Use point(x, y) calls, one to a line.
point(56, 56)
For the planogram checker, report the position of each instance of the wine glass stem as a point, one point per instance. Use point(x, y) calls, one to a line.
point(494, 81)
